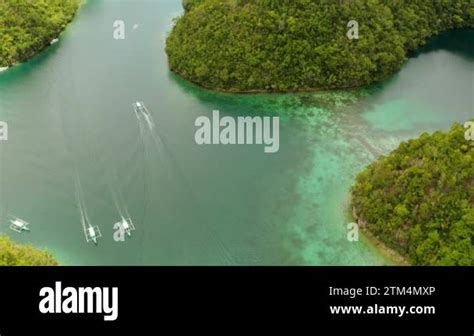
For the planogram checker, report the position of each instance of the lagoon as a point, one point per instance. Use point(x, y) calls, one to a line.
point(70, 113)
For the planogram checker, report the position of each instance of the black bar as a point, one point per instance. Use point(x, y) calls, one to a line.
point(157, 298)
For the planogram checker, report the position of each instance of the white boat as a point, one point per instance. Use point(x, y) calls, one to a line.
point(141, 110)
point(136, 107)
point(19, 225)
point(92, 234)
point(140, 107)
point(2, 69)
point(56, 40)
point(126, 225)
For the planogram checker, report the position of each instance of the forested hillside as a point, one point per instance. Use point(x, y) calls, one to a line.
point(27, 27)
point(280, 45)
point(419, 200)
point(12, 254)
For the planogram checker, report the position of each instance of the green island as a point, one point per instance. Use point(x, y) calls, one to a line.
point(12, 254)
point(302, 45)
point(419, 200)
point(27, 27)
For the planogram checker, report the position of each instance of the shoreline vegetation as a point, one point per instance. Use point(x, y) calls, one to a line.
point(387, 252)
point(27, 28)
point(274, 46)
point(396, 258)
point(13, 254)
point(419, 200)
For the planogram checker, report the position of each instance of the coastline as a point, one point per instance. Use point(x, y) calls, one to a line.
point(409, 53)
point(55, 39)
point(272, 91)
point(386, 251)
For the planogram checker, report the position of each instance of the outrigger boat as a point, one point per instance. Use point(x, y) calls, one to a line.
point(19, 225)
point(92, 234)
point(126, 225)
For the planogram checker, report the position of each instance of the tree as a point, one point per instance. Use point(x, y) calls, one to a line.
point(27, 27)
point(419, 199)
point(12, 254)
point(277, 45)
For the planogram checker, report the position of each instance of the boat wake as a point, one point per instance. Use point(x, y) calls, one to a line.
point(92, 233)
point(149, 130)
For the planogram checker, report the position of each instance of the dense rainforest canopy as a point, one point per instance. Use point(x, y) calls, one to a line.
point(419, 200)
point(12, 254)
point(27, 26)
point(294, 45)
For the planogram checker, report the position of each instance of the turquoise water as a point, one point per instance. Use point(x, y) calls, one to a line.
point(70, 116)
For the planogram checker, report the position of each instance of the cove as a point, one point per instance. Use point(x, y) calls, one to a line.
point(70, 109)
